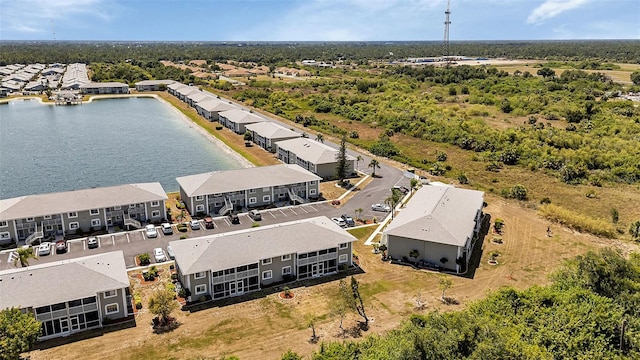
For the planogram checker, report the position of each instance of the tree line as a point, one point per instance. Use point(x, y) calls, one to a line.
point(627, 51)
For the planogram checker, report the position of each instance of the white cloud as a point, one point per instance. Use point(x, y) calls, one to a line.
point(45, 16)
point(552, 8)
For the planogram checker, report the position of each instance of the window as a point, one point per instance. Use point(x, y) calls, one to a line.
point(252, 200)
point(286, 257)
point(111, 309)
point(281, 195)
point(74, 226)
point(286, 270)
point(344, 245)
point(201, 289)
point(3, 224)
point(95, 222)
point(110, 294)
point(155, 203)
point(266, 198)
point(200, 208)
point(252, 191)
point(217, 204)
point(116, 208)
point(199, 275)
point(5, 235)
point(48, 227)
point(266, 275)
point(155, 213)
point(72, 214)
point(217, 194)
point(266, 261)
point(312, 191)
point(199, 197)
point(94, 211)
point(343, 258)
point(30, 219)
point(132, 206)
point(47, 217)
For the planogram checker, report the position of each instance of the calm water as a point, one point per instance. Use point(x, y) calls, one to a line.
point(47, 148)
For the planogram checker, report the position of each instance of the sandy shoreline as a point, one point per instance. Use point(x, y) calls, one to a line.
point(224, 147)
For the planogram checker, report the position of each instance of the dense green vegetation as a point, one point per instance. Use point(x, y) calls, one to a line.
point(18, 332)
point(580, 315)
point(281, 53)
point(570, 125)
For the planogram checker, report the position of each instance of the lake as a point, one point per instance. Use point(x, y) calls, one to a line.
point(45, 148)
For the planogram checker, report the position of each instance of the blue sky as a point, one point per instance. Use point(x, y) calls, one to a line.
point(317, 20)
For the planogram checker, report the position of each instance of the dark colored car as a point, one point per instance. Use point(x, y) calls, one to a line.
point(208, 222)
point(61, 246)
point(348, 220)
point(233, 217)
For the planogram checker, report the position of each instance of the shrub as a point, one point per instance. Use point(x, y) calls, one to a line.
point(518, 192)
point(441, 155)
point(545, 200)
point(615, 216)
point(182, 237)
point(153, 270)
point(219, 127)
point(462, 179)
point(577, 221)
point(255, 225)
point(144, 259)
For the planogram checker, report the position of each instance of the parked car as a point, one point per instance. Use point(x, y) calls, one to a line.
point(44, 249)
point(348, 220)
point(208, 222)
point(92, 242)
point(166, 228)
point(255, 215)
point(158, 254)
point(402, 189)
point(233, 217)
point(170, 252)
point(151, 231)
point(61, 246)
point(195, 224)
point(339, 221)
point(381, 207)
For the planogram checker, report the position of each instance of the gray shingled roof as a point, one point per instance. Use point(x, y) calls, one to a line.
point(312, 151)
point(79, 200)
point(232, 249)
point(55, 282)
point(240, 116)
point(440, 214)
point(243, 179)
point(272, 130)
point(155, 82)
point(215, 105)
point(201, 96)
point(176, 85)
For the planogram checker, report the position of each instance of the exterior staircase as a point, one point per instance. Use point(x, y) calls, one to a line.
point(128, 221)
point(35, 236)
point(228, 206)
point(295, 198)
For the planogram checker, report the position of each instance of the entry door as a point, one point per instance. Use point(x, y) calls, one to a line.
point(232, 288)
point(64, 325)
point(317, 269)
point(75, 324)
point(239, 287)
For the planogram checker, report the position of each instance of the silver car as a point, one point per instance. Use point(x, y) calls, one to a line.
point(381, 207)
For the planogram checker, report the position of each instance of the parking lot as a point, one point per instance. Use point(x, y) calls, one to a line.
point(136, 242)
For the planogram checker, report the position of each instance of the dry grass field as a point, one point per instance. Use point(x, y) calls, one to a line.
point(263, 326)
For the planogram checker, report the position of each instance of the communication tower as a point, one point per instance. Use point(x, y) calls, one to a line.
point(447, 22)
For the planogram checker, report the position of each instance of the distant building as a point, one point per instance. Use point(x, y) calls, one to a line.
point(312, 155)
point(267, 134)
point(104, 88)
point(237, 119)
point(153, 85)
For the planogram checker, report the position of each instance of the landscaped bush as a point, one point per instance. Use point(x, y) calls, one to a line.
point(219, 127)
point(182, 227)
point(577, 221)
point(144, 259)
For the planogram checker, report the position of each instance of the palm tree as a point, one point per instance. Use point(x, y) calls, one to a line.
point(358, 159)
point(320, 138)
point(24, 254)
point(358, 212)
point(374, 164)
